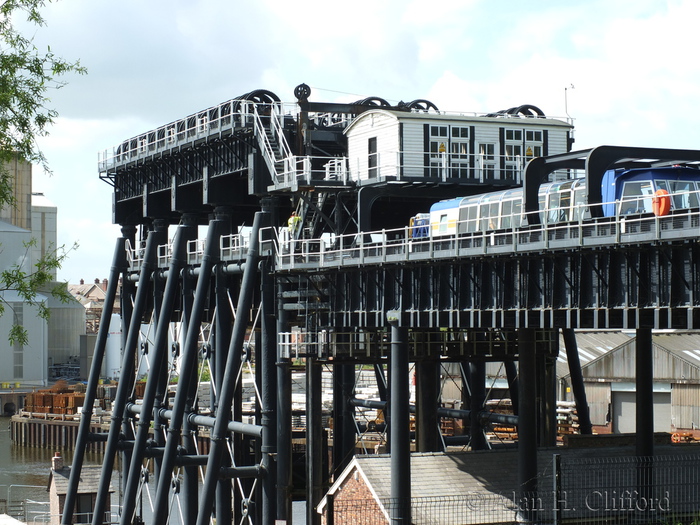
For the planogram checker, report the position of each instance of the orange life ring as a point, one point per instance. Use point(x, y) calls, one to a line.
point(676, 437)
point(661, 203)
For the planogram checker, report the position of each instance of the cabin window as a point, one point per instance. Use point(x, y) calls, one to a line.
point(533, 136)
point(485, 219)
point(553, 208)
point(514, 134)
point(684, 195)
point(565, 206)
point(472, 213)
point(494, 215)
point(459, 152)
point(372, 157)
point(460, 132)
point(558, 210)
point(438, 131)
point(506, 212)
point(443, 223)
point(579, 203)
point(513, 164)
point(636, 197)
point(533, 144)
point(487, 160)
point(541, 202)
point(517, 213)
point(439, 139)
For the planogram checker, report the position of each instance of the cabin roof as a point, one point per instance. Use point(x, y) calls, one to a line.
point(458, 118)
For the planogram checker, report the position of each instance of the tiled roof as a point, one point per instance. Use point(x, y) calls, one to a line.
point(89, 480)
point(439, 474)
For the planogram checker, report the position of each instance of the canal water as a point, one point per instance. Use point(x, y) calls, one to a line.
point(24, 476)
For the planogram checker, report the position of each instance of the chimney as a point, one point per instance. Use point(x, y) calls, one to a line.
point(104, 284)
point(97, 281)
point(82, 281)
point(57, 461)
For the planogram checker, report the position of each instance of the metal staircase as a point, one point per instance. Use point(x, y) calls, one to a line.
point(273, 144)
point(310, 208)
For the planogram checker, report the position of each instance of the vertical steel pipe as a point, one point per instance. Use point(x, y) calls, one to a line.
point(266, 361)
point(284, 418)
point(577, 384)
point(314, 440)
point(155, 237)
point(159, 357)
point(547, 398)
point(222, 339)
point(118, 266)
point(427, 402)
point(477, 379)
point(187, 366)
point(400, 427)
point(228, 386)
point(343, 415)
point(645, 413)
point(645, 392)
point(527, 417)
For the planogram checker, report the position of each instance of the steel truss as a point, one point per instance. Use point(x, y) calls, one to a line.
point(252, 312)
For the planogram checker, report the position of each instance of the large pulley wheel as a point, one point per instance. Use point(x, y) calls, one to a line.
point(302, 92)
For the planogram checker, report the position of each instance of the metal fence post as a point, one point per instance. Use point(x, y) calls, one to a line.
point(556, 492)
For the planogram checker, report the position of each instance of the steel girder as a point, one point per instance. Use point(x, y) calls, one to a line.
point(616, 287)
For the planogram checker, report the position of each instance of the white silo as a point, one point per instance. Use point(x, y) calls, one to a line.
point(113, 348)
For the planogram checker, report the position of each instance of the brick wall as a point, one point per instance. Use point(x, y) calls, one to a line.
point(354, 504)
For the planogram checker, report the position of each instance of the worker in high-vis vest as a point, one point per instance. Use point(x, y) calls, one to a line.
point(293, 224)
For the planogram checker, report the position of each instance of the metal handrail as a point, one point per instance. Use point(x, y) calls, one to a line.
point(397, 244)
point(223, 117)
point(392, 244)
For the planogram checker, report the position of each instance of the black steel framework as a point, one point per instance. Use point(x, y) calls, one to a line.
point(377, 311)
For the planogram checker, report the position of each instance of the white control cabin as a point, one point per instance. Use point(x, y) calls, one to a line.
point(394, 145)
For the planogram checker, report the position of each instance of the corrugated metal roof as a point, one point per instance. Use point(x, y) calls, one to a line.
point(9, 520)
point(594, 345)
point(591, 346)
point(686, 345)
point(675, 354)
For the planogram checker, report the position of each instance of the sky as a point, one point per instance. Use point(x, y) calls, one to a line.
point(626, 71)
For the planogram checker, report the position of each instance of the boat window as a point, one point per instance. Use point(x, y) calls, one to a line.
point(541, 205)
point(506, 211)
point(443, 223)
point(517, 210)
point(553, 208)
point(683, 194)
point(636, 197)
point(484, 217)
point(493, 214)
point(472, 213)
point(564, 206)
point(579, 203)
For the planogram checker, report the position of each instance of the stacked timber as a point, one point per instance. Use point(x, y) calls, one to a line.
point(448, 425)
point(567, 419)
point(60, 399)
point(500, 430)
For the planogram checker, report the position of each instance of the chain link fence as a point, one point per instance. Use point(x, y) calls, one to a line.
point(661, 490)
